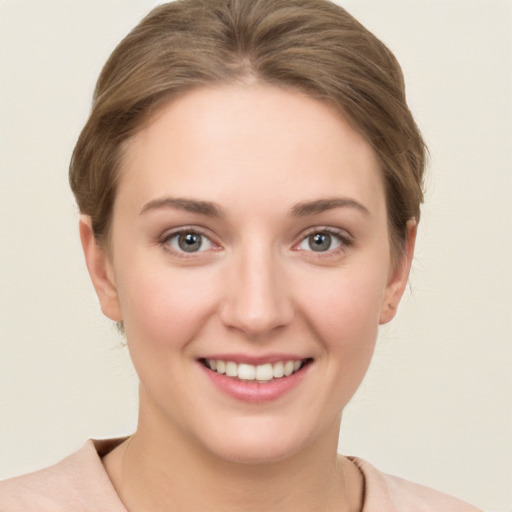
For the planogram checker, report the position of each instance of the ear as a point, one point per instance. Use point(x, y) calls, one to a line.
point(101, 270)
point(399, 276)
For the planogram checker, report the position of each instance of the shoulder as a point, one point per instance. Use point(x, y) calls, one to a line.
point(388, 493)
point(78, 483)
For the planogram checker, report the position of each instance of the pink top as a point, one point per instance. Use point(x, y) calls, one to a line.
point(79, 483)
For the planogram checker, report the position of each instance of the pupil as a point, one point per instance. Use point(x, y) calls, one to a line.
point(190, 242)
point(320, 242)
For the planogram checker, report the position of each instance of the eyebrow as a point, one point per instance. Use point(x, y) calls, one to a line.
point(323, 205)
point(210, 209)
point(189, 205)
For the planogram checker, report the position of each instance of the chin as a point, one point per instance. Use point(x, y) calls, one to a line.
point(259, 443)
point(254, 453)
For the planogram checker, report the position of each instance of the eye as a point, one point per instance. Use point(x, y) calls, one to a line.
point(188, 241)
point(323, 241)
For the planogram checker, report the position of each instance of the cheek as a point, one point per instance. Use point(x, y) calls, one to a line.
point(344, 303)
point(165, 308)
point(343, 309)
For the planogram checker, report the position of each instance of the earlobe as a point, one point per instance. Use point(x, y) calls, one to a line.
point(399, 277)
point(101, 271)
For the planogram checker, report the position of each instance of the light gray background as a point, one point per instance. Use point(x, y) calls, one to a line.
point(436, 405)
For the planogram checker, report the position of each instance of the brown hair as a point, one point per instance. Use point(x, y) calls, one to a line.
point(311, 45)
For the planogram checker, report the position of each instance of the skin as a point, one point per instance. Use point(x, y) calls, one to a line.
point(256, 288)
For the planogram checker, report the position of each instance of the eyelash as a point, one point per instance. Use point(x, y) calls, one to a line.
point(167, 237)
point(344, 239)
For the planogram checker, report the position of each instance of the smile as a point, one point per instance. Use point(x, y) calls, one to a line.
point(267, 372)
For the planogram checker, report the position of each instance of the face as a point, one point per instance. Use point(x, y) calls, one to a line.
point(250, 263)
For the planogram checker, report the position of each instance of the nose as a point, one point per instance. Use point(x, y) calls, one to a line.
point(257, 300)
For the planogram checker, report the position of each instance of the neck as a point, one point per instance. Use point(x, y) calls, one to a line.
point(160, 465)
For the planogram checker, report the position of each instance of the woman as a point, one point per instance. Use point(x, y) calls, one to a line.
point(249, 181)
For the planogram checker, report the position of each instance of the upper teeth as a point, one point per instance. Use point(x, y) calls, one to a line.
point(261, 372)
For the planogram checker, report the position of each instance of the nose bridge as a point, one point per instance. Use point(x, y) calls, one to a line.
point(256, 301)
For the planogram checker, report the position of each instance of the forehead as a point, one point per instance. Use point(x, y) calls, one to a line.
point(229, 142)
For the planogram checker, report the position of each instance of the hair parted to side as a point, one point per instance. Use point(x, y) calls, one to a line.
point(314, 46)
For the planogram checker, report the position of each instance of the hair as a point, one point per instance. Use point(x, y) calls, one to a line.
point(313, 46)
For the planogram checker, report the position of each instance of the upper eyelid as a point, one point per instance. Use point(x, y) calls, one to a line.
point(168, 233)
point(342, 233)
point(172, 232)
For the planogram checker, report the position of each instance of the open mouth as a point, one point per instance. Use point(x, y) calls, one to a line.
point(263, 373)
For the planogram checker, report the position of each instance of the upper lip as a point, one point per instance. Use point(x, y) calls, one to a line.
point(256, 360)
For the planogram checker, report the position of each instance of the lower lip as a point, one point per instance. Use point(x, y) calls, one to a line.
point(252, 391)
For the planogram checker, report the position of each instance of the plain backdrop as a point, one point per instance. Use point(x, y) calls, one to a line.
point(436, 404)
